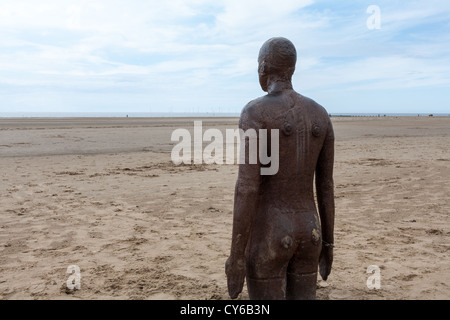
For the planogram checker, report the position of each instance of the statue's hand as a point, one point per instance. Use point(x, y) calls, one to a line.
point(235, 271)
point(325, 262)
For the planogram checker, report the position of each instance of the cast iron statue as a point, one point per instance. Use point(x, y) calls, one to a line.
point(280, 240)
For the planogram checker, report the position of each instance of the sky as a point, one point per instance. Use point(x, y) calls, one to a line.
point(201, 56)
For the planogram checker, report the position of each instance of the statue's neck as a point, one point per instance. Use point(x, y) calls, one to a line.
point(277, 85)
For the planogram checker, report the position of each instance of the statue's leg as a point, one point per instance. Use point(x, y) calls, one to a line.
point(271, 250)
point(266, 289)
point(301, 280)
point(301, 286)
point(266, 274)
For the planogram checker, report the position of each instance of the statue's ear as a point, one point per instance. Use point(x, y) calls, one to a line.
point(262, 68)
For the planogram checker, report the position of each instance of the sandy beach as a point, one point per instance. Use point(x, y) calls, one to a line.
point(103, 194)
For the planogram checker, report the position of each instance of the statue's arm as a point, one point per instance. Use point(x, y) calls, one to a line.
point(325, 200)
point(245, 207)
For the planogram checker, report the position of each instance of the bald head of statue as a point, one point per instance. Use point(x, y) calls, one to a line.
point(276, 62)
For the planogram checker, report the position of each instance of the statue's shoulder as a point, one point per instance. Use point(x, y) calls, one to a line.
point(311, 104)
point(259, 106)
point(314, 107)
point(252, 113)
point(258, 103)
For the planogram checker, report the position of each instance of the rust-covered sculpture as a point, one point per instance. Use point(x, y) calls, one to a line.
point(280, 240)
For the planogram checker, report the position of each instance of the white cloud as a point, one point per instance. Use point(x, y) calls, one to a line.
point(256, 13)
point(376, 74)
point(148, 47)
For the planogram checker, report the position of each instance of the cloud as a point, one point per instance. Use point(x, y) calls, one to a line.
point(254, 14)
point(376, 73)
point(168, 51)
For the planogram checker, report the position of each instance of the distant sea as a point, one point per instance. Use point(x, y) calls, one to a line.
point(187, 114)
point(114, 114)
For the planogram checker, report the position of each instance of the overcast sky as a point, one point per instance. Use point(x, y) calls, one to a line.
point(197, 55)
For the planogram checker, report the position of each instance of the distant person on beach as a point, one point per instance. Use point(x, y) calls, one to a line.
point(279, 238)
